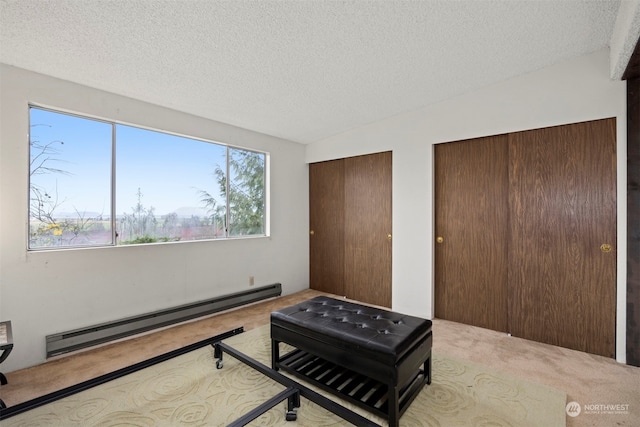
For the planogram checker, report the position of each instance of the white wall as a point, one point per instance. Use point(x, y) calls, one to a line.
point(55, 291)
point(573, 91)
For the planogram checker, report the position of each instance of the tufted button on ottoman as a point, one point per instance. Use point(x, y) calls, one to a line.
point(374, 358)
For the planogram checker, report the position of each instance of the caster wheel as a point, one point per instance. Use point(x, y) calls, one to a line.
point(291, 416)
point(219, 364)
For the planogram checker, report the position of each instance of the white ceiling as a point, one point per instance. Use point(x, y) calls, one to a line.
point(300, 70)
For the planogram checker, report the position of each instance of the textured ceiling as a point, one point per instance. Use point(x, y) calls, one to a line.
point(301, 70)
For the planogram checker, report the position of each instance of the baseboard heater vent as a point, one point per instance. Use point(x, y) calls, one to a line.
point(78, 339)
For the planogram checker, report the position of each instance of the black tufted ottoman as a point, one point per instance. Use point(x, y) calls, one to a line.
point(376, 359)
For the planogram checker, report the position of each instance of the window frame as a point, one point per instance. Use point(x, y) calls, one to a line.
point(113, 180)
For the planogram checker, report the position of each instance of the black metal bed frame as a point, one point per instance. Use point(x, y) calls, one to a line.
point(7, 412)
point(292, 393)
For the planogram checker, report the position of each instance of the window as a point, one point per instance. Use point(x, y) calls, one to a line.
point(98, 183)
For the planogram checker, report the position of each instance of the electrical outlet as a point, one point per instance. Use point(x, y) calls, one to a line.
point(251, 280)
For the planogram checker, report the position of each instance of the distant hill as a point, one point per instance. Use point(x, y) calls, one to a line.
point(182, 212)
point(189, 211)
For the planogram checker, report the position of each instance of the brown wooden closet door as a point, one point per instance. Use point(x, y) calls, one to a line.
point(326, 221)
point(368, 193)
point(472, 221)
point(563, 208)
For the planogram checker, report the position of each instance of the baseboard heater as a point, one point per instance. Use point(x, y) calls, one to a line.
point(78, 339)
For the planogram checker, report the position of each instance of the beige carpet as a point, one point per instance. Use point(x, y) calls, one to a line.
point(190, 391)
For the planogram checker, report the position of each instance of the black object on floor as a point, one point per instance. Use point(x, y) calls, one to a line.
point(374, 358)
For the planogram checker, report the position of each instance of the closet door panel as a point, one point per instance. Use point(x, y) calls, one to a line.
point(367, 227)
point(471, 226)
point(562, 203)
point(326, 223)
